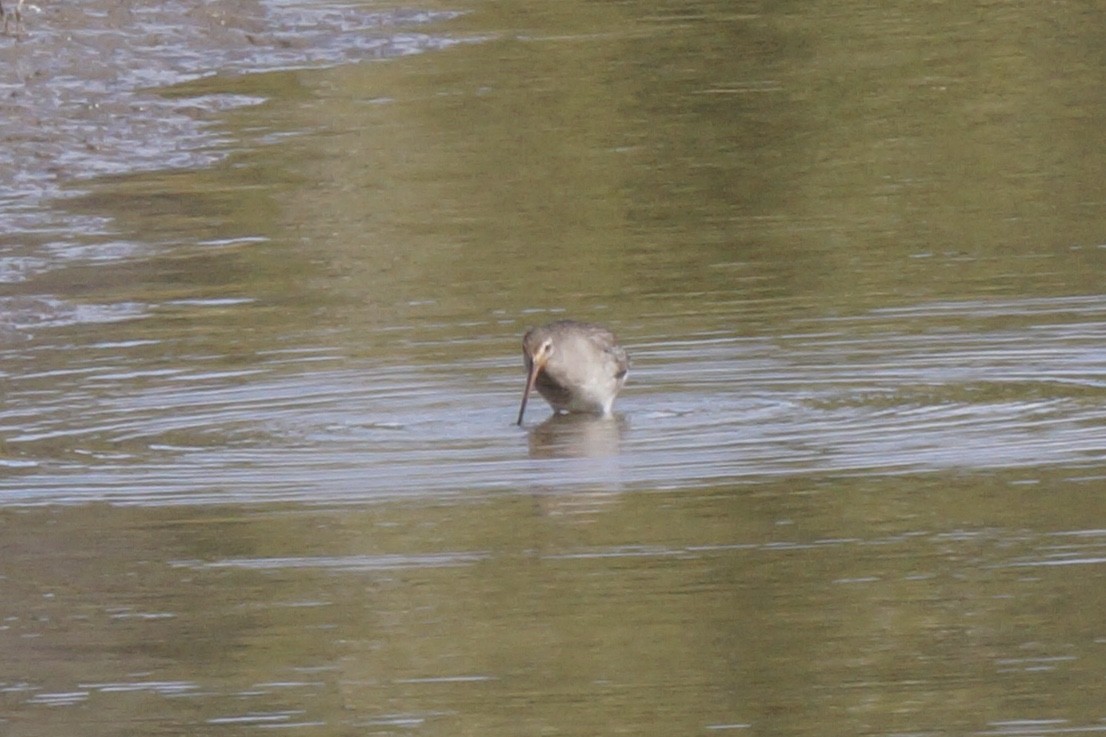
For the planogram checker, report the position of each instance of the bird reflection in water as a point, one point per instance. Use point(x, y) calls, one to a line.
point(584, 472)
point(578, 436)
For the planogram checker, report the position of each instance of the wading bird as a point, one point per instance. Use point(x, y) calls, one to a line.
point(575, 366)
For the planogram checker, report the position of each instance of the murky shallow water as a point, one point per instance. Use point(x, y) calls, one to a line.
point(258, 467)
point(850, 396)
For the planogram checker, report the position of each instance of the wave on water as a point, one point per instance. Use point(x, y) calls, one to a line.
point(309, 427)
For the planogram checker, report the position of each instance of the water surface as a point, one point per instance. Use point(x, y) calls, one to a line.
point(259, 355)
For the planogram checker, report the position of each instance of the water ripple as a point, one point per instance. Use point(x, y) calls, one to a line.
point(310, 426)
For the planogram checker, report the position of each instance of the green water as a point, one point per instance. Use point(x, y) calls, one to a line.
point(258, 468)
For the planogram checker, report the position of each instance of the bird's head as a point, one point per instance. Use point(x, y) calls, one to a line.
point(537, 348)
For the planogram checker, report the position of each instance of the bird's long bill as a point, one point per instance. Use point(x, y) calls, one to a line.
point(535, 368)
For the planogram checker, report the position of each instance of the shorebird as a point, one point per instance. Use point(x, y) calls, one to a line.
point(575, 366)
